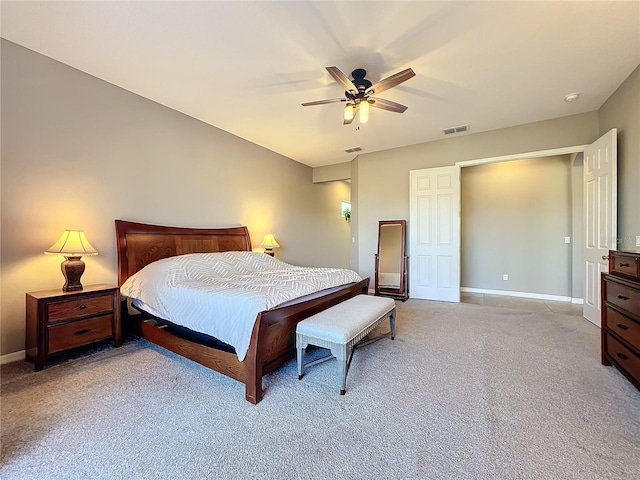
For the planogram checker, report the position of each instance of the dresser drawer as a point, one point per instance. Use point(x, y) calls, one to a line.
point(623, 296)
point(621, 355)
point(82, 307)
point(624, 327)
point(74, 334)
point(625, 264)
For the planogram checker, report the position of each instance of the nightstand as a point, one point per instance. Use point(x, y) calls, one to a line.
point(58, 321)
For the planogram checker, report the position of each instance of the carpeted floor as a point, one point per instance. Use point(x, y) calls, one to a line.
point(464, 392)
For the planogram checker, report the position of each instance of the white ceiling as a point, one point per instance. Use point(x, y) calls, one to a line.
point(246, 67)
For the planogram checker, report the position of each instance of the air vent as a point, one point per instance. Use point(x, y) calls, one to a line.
point(353, 149)
point(458, 129)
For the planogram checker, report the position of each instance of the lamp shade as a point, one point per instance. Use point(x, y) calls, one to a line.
point(349, 111)
point(72, 243)
point(364, 111)
point(269, 241)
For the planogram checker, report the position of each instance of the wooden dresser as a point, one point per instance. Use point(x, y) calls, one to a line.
point(621, 314)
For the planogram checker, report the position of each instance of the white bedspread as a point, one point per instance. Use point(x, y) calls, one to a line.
point(221, 294)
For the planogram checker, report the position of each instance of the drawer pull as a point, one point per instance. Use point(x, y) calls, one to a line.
point(622, 356)
point(82, 332)
point(622, 327)
point(622, 297)
point(83, 306)
point(625, 264)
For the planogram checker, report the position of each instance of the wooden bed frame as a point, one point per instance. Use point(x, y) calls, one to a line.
point(273, 337)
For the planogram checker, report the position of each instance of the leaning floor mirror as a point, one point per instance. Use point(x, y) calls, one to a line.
point(391, 261)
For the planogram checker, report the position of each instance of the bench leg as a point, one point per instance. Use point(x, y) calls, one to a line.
point(342, 366)
point(343, 358)
point(300, 358)
point(392, 324)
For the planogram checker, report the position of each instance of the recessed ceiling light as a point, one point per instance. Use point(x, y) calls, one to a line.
point(571, 97)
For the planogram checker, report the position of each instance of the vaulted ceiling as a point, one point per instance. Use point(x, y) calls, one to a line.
point(246, 67)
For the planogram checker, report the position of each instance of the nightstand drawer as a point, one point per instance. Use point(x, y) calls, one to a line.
point(623, 296)
point(69, 310)
point(624, 327)
point(623, 357)
point(78, 333)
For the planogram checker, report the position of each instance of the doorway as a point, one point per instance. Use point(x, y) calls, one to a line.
point(603, 148)
point(516, 224)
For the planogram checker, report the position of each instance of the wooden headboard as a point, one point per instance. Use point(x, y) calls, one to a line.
point(139, 244)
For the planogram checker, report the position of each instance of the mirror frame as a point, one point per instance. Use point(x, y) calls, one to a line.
point(402, 292)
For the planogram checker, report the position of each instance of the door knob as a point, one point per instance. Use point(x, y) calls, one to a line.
point(605, 257)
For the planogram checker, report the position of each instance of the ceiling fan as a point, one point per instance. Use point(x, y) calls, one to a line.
point(359, 93)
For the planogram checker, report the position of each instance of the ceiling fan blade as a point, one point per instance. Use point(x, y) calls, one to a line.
point(387, 105)
point(355, 112)
point(342, 79)
point(390, 82)
point(322, 102)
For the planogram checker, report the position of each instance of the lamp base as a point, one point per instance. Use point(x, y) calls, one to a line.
point(269, 251)
point(72, 269)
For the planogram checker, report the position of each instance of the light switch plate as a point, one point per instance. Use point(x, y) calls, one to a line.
point(567, 239)
point(637, 240)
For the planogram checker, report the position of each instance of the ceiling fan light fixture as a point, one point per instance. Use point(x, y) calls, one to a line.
point(357, 93)
point(348, 111)
point(364, 111)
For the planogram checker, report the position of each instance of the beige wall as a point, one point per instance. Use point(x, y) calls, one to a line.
point(355, 201)
point(329, 173)
point(78, 152)
point(622, 111)
point(515, 217)
point(380, 181)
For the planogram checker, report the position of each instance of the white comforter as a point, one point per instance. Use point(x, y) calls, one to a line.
point(221, 294)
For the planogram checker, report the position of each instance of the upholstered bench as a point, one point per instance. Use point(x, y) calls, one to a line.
point(341, 328)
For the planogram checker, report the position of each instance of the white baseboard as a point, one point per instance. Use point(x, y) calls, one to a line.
point(577, 301)
point(12, 357)
point(539, 296)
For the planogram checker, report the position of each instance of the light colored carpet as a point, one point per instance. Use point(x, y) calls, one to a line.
point(463, 392)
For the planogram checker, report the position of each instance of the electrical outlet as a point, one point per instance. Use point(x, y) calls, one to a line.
point(505, 277)
point(637, 240)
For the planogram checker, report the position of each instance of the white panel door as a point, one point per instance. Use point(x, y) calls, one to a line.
point(601, 212)
point(434, 234)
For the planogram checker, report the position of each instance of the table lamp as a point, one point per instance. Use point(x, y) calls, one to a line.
point(269, 243)
point(73, 244)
